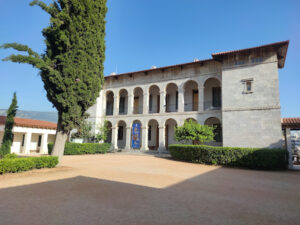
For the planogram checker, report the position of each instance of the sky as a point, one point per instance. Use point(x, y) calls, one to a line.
point(144, 33)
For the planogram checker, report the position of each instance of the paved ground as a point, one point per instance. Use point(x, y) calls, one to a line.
point(136, 189)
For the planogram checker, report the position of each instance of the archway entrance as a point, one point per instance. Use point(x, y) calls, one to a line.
point(109, 132)
point(153, 135)
point(215, 122)
point(170, 132)
point(121, 134)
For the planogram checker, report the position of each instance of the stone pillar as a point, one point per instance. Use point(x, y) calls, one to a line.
point(181, 99)
point(128, 138)
point(201, 98)
point(27, 143)
point(145, 103)
point(288, 143)
point(116, 105)
point(44, 144)
point(130, 104)
point(163, 102)
point(162, 143)
point(114, 138)
point(145, 138)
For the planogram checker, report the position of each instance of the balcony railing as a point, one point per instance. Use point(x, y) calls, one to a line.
point(212, 105)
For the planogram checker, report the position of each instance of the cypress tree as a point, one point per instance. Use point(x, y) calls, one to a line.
point(71, 67)
point(9, 123)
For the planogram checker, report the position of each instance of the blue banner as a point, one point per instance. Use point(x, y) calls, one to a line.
point(136, 135)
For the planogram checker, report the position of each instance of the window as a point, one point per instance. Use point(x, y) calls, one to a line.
point(248, 86)
point(216, 91)
point(23, 140)
point(40, 141)
point(149, 133)
point(150, 102)
point(120, 133)
point(122, 105)
point(256, 60)
point(176, 106)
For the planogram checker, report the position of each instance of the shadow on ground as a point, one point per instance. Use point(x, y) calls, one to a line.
point(211, 198)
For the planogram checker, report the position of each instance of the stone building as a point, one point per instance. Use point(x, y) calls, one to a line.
point(235, 91)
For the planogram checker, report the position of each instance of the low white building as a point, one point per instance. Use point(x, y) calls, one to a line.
point(30, 136)
point(235, 91)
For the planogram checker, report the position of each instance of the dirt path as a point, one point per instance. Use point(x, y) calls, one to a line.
point(137, 189)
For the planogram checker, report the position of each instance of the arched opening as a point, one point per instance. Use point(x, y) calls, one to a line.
point(212, 94)
point(136, 135)
point(216, 123)
point(123, 103)
point(154, 99)
point(138, 101)
point(191, 96)
point(109, 103)
point(171, 98)
point(170, 132)
point(121, 134)
point(190, 119)
point(109, 131)
point(153, 135)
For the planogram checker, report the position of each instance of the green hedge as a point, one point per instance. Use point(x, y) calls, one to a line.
point(84, 148)
point(13, 165)
point(253, 158)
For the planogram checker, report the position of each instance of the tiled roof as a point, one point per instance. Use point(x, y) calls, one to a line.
point(292, 123)
point(22, 122)
point(280, 46)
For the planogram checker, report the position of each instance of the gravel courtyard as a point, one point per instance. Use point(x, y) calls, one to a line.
point(141, 189)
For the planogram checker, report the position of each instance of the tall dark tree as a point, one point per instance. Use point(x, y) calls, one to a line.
point(9, 123)
point(72, 65)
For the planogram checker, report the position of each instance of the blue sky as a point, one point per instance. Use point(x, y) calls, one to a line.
point(143, 33)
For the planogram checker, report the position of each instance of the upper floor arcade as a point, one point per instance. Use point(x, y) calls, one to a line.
point(184, 95)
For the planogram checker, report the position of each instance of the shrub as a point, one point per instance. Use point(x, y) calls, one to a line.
point(83, 148)
point(253, 158)
point(13, 165)
point(193, 131)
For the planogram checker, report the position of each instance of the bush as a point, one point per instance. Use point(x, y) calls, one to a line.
point(5, 148)
point(253, 158)
point(13, 165)
point(83, 148)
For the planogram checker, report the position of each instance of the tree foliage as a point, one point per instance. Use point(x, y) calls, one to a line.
point(102, 133)
point(9, 123)
point(71, 68)
point(193, 131)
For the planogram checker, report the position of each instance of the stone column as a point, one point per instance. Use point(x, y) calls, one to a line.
point(44, 144)
point(162, 102)
point(114, 138)
point(162, 143)
point(145, 103)
point(180, 99)
point(201, 98)
point(116, 105)
point(288, 143)
point(27, 143)
point(128, 138)
point(145, 138)
point(130, 104)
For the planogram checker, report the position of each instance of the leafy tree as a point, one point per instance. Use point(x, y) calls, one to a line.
point(193, 131)
point(84, 130)
point(9, 123)
point(102, 133)
point(72, 65)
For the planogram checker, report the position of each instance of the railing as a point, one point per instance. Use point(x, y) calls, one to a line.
point(212, 105)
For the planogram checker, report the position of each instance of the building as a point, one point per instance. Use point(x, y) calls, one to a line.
point(29, 135)
point(235, 91)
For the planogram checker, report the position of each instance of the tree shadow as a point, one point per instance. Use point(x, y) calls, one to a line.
point(220, 196)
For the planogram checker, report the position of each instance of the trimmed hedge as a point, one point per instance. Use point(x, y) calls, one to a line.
point(14, 165)
point(83, 148)
point(253, 158)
